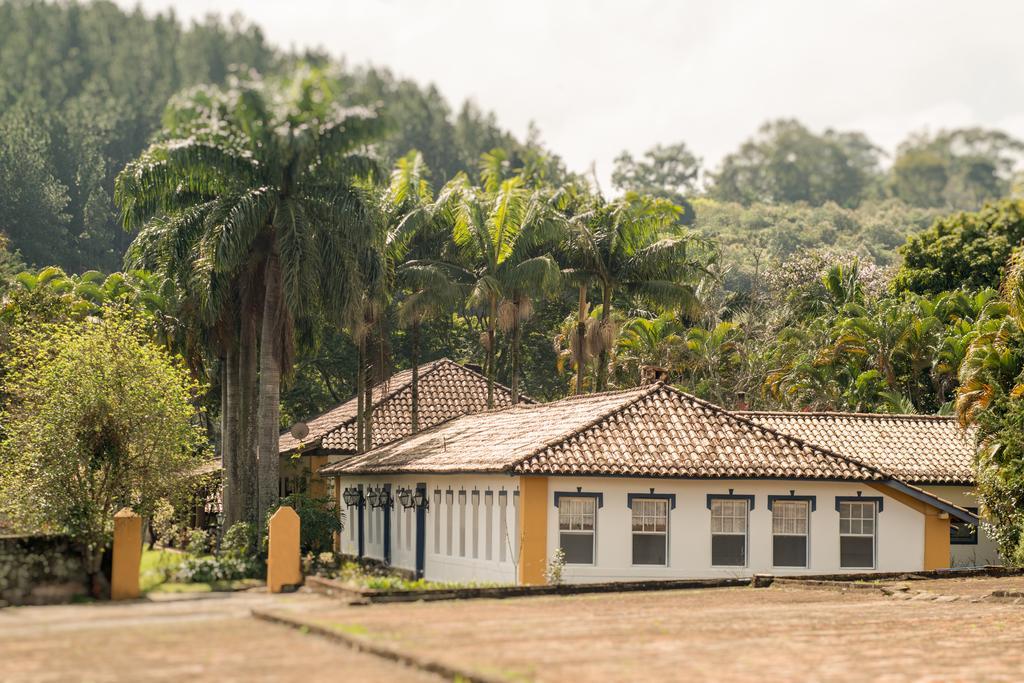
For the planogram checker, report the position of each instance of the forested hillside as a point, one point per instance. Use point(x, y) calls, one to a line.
point(82, 91)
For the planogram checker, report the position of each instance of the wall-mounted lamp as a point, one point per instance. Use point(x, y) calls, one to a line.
point(383, 499)
point(351, 496)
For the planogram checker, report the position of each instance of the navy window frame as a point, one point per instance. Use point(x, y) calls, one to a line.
point(877, 500)
point(670, 497)
point(580, 494)
point(749, 497)
point(962, 540)
point(813, 500)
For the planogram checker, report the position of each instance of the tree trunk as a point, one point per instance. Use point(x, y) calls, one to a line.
point(516, 338)
point(227, 489)
point(415, 333)
point(489, 363)
point(581, 333)
point(269, 418)
point(248, 384)
point(232, 490)
point(360, 396)
point(368, 399)
point(602, 358)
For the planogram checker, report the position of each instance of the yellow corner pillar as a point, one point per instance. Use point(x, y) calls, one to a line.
point(936, 540)
point(124, 579)
point(533, 530)
point(936, 528)
point(283, 563)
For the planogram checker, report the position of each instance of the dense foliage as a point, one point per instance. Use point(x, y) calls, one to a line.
point(97, 417)
point(967, 249)
point(300, 229)
point(83, 88)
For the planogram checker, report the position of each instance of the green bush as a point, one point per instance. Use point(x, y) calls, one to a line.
point(236, 558)
point(239, 541)
point(210, 569)
point(319, 521)
point(198, 543)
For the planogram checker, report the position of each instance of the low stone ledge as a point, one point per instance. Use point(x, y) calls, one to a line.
point(355, 595)
point(378, 649)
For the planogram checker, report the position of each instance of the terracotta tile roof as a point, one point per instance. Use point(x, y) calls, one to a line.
point(446, 390)
point(920, 449)
point(652, 431)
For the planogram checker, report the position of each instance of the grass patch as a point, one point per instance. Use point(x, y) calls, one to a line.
point(210, 587)
point(350, 629)
point(158, 567)
point(378, 579)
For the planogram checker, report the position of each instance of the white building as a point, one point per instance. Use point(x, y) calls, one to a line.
point(636, 484)
point(931, 452)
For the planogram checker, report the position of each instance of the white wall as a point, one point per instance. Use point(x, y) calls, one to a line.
point(985, 552)
point(899, 536)
point(445, 560)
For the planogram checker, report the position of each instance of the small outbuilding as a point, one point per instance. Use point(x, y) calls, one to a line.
point(444, 390)
point(644, 483)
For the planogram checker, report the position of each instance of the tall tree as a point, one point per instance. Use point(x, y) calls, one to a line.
point(272, 179)
point(633, 247)
point(501, 229)
point(423, 281)
point(97, 417)
point(786, 162)
point(668, 171)
point(956, 169)
point(962, 249)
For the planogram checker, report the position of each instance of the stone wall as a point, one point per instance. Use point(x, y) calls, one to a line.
point(40, 570)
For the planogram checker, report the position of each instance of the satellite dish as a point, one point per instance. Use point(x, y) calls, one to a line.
point(299, 430)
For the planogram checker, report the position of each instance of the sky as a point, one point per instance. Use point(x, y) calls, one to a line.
point(599, 77)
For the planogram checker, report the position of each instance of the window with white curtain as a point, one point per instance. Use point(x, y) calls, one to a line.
point(729, 532)
point(650, 531)
point(789, 533)
point(577, 522)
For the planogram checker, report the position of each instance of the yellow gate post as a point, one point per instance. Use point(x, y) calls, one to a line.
point(283, 563)
point(124, 580)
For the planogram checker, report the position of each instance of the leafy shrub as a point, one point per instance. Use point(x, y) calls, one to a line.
point(210, 569)
point(239, 541)
point(166, 526)
point(235, 560)
point(553, 574)
point(198, 542)
point(322, 564)
point(319, 521)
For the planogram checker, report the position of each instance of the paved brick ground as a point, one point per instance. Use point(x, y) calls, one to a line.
point(211, 639)
point(738, 634)
point(967, 588)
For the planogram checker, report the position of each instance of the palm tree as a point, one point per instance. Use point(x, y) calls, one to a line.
point(265, 184)
point(501, 229)
point(632, 247)
point(424, 283)
point(993, 365)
